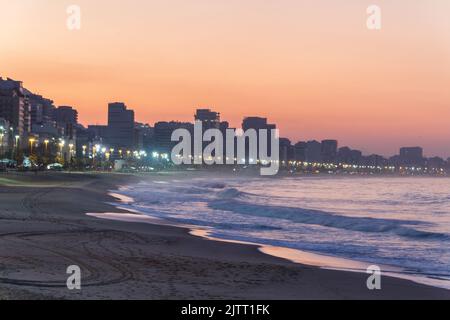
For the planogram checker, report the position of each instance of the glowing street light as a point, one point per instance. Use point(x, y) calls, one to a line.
point(2, 134)
point(46, 141)
point(71, 149)
point(61, 146)
point(16, 145)
point(31, 140)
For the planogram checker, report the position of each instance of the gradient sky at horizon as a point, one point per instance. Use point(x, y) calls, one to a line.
point(312, 67)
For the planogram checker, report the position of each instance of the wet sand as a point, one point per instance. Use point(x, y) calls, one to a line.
point(44, 229)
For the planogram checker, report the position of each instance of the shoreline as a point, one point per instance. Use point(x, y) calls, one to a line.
point(300, 257)
point(43, 229)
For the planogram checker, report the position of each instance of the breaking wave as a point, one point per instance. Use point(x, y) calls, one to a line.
point(316, 217)
point(387, 221)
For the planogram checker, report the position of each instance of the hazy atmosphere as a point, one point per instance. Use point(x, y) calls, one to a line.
point(315, 70)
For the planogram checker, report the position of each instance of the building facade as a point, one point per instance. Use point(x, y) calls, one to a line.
point(120, 126)
point(329, 151)
point(14, 106)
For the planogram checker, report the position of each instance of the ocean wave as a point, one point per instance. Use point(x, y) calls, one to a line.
point(232, 193)
point(402, 222)
point(214, 185)
point(426, 199)
point(322, 218)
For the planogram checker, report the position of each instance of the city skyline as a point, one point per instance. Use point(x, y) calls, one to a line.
point(365, 151)
point(214, 152)
point(375, 91)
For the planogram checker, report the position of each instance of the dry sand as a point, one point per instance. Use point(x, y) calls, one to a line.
point(44, 229)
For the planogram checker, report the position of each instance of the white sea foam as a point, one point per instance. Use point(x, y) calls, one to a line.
point(403, 222)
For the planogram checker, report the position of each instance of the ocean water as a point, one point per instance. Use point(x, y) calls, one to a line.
point(399, 222)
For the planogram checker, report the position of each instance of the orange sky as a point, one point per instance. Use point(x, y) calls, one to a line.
point(311, 66)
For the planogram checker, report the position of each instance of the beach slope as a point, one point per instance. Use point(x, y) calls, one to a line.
point(44, 229)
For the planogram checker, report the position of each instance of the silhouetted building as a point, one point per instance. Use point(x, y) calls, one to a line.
point(42, 110)
point(210, 119)
point(98, 131)
point(300, 151)
point(329, 151)
point(394, 161)
point(14, 106)
point(5, 137)
point(47, 130)
point(411, 156)
point(286, 150)
point(436, 163)
point(120, 126)
point(374, 160)
point(66, 120)
point(258, 123)
point(346, 155)
point(66, 114)
point(313, 151)
point(163, 134)
point(83, 141)
point(143, 136)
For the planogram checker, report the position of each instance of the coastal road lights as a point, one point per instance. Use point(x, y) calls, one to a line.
point(2, 134)
point(32, 141)
point(95, 150)
point(46, 142)
point(61, 145)
point(2, 137)
point(71, 150)
point(94, 154)
point(16, 145)
point(11, 145)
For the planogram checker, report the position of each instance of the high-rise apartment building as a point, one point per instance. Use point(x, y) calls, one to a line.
point(411, 156)
point(258, 123)
point(329, 151)
point(66, 119)
point(120, 126)
point(14, 106)
point(210, 119)
point(163, 134)
point(313, 151)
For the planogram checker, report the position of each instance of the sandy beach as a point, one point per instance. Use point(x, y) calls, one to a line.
point(44, 229)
